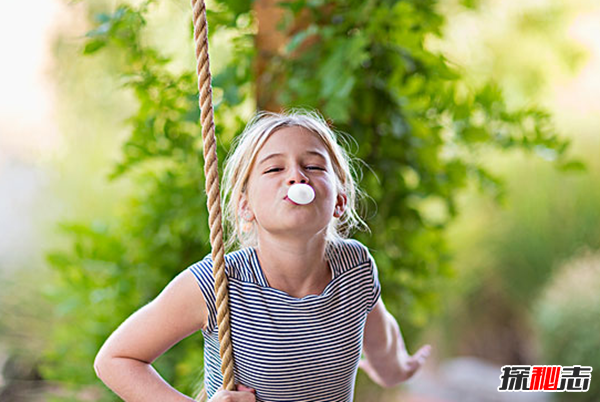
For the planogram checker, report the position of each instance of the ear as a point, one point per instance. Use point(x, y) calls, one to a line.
point(244, 209)
point(340, 205)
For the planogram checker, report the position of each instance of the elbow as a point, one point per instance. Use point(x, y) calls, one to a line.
point(100, 364)
point(97, 365)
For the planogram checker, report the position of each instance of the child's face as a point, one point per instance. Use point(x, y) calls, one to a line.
point(291, 155)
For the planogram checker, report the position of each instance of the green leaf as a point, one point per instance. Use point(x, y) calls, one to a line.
point(573, 166)
point(93, 46)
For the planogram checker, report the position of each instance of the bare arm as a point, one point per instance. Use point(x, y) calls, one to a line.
point(124, 361)
point(386, 360)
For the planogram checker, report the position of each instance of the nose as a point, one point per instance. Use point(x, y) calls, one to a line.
point(297, 176)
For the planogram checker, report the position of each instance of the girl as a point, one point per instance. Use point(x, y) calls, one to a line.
point(304, 300)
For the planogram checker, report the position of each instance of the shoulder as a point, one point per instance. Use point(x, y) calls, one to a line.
point(353, 264)
point(173, 304)
point(348, 254)
point(238, 264)
point(351, 248)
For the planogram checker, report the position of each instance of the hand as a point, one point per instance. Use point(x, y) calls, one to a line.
point(242, 394)
point(408, 366)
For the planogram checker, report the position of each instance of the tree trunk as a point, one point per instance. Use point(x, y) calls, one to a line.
point(269, 43)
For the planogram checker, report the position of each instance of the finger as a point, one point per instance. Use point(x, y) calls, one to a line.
point(243, 388)
point(233, 396)
point(417, 360)
point(422, 354)
point(244, 397)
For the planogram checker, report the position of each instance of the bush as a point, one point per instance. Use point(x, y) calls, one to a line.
point(419, 125)
point(568, 319)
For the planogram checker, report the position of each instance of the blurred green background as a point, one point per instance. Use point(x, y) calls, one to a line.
point(478, 118)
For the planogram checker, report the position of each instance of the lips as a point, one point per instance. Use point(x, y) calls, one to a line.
point(287, 199)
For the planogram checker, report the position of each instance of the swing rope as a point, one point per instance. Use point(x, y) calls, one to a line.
point(211, 173)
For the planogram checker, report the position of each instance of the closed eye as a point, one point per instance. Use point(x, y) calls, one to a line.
point(307, 168)
point(273, 170)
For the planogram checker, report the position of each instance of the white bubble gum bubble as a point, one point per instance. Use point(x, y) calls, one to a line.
point(301, 193)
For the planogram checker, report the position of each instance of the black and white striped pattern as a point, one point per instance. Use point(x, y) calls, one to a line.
point(286, 348)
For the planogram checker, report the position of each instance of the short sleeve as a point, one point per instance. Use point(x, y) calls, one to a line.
point(376, 287)
point(202, 270)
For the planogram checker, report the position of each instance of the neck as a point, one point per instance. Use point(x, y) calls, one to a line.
point(295, 266)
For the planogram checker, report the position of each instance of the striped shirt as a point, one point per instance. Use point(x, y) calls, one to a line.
point(287, 348)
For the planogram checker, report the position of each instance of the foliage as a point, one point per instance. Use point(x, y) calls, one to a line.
point(567, 315)
point(365, 65)
point(419, 125)
point(508, 255)
point(504, 256)
point(551, 218)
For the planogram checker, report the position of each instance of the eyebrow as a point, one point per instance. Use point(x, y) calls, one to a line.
point(316, 153)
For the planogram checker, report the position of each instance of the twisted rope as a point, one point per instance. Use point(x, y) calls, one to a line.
point(211, 173)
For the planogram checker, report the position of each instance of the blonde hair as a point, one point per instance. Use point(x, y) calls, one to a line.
point(241, 158)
